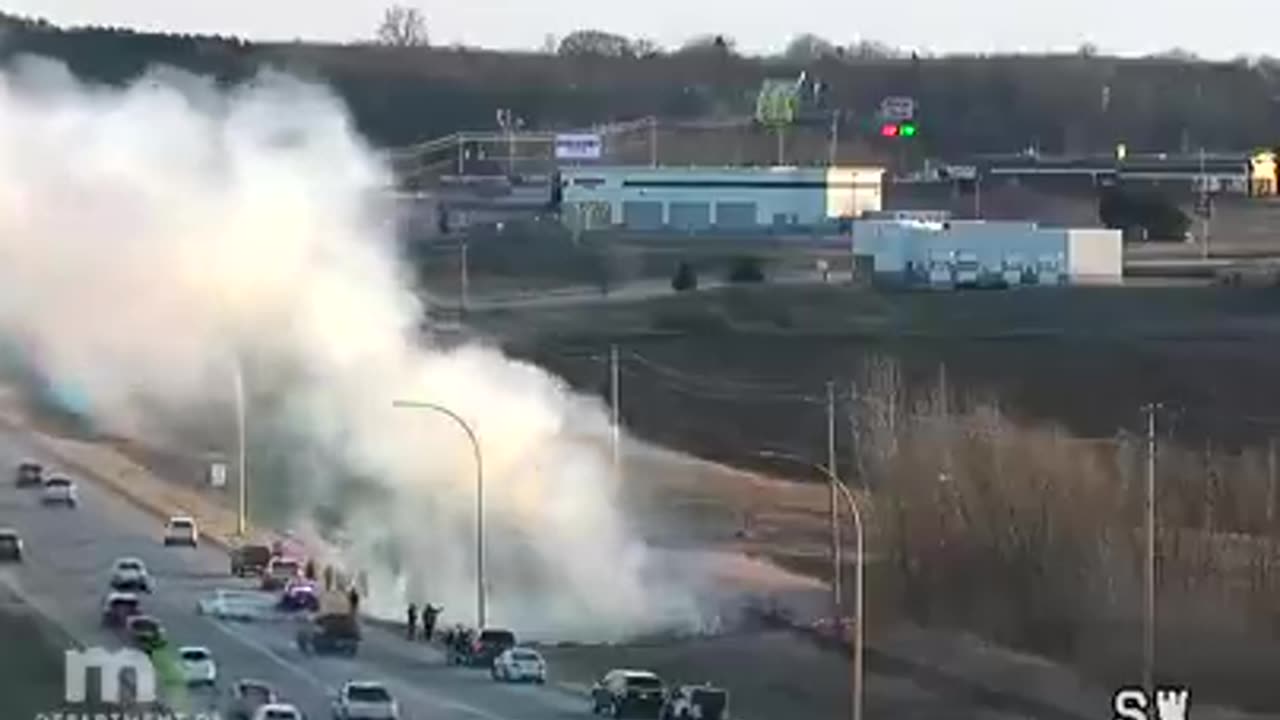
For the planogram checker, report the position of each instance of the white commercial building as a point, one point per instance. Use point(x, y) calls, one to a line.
point(711, 199)
point(976, 252)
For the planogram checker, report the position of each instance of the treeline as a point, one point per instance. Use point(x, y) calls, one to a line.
point(400, 94)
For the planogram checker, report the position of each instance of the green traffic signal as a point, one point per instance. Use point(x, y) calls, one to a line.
point(907, 130)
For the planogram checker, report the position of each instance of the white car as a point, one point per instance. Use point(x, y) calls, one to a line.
point(365, 701)
point(520, 663)
point(59, 490)
point(198, 666)
point(278, 711)
point(181, 530)
point(243, 605)
point(130, 574)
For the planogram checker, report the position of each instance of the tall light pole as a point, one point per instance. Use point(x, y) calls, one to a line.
point(1149, 567)
point(855, 704)
point(837, 547)
point(242, 464)
point(475, 449)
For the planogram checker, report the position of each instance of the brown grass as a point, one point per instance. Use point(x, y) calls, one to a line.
point(1032, 538)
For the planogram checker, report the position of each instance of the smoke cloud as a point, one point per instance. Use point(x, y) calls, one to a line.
point(154, 237)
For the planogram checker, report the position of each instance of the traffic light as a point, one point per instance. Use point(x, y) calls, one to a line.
point(900, 129)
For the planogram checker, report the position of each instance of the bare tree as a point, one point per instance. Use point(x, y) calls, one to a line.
point(808, 47)
point(596, 42)
point(403, 26)
point(645, 48)
point(718, 44)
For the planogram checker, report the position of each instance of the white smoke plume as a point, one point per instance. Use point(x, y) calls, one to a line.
point(151, 235)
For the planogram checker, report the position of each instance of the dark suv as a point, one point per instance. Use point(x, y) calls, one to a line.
point(490, 645)
point(146, 633)
point(628, 692)
point(29, 474)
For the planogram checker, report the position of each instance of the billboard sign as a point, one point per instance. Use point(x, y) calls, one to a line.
point(777, 102)
point(898, 108)
point(218, 474)
point(578, 146)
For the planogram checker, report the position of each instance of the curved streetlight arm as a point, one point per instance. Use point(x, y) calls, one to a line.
point(855, 709)
point(479, 460)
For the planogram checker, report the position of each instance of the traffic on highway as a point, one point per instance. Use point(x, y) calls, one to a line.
point(259, 634)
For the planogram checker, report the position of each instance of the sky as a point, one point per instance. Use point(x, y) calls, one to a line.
point(1230, 29)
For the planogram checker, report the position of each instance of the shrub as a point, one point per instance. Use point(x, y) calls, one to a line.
point(746, 270)
point(686, 278)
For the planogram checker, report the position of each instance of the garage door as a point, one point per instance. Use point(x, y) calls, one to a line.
point(642, 215)
point(690, 216)
point(735, 215)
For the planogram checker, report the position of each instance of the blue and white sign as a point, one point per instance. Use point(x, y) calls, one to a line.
point(578, 146)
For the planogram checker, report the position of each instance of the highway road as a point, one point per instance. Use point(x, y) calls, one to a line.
point(69, 555)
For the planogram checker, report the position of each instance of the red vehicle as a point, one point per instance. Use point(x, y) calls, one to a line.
point(280, 572)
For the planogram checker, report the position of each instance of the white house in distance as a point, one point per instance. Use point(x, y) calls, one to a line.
point(976, 252)
point(652, 199)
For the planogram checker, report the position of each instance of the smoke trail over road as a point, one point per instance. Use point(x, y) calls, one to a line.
point(151, 235)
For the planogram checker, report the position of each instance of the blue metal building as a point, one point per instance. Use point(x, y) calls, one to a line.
point(709, 199)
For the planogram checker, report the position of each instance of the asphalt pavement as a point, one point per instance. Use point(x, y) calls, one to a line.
point(69, 556)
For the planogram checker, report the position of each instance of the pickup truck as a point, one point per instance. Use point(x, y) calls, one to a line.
point(329, 634)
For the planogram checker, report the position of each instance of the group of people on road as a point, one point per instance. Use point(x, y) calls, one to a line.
point(428, 614)
point(457, 641)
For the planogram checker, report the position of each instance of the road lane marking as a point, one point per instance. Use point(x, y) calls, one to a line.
point(271, 655)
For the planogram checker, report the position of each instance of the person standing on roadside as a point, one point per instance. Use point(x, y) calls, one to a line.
point(429, 614)
point(412, 627)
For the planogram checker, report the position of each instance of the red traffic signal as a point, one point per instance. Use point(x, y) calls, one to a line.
point(904, 129)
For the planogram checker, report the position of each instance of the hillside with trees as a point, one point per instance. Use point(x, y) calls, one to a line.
point(402, 90)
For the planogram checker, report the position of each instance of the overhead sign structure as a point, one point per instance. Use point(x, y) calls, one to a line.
point(578, 146)
point(898, 108)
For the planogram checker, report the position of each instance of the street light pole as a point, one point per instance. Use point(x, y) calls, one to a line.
point(856, 670)
point(475, 449)
point(242, 464)
point(1149, 567)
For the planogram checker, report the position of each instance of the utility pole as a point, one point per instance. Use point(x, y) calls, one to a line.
point(653, 141)
point(615, 414)
point(1149, 584)
point(464, 279)
point(837, 560)
point(1271, 482)
point(835, 138)
point(1206, 208)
